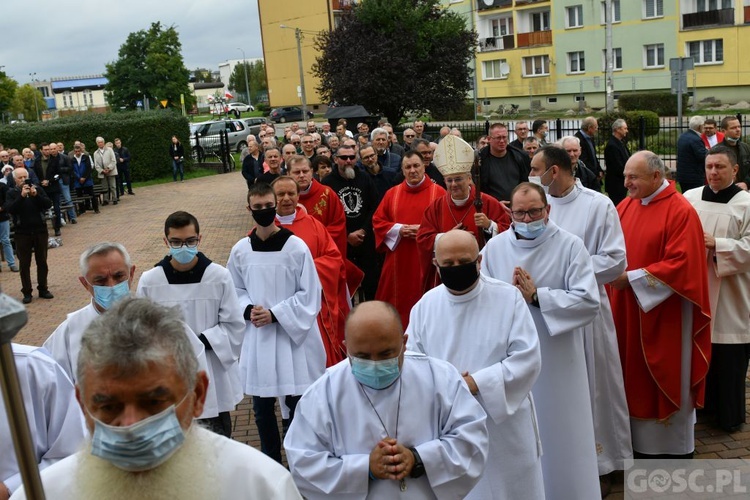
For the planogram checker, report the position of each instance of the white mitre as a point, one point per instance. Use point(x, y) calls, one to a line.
point(453, 156)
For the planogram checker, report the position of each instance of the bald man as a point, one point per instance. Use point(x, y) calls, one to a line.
point(500, 364)
point(409, 428)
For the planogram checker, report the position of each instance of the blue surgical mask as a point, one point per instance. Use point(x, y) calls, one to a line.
point(184, 254)
point(142, 446)
point(530, 230)
point(375, 374)
point(107, 296)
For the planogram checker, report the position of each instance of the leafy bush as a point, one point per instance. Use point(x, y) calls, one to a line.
point(147, 135)
point(633, 120)
point(464, 112)
point(661, 103)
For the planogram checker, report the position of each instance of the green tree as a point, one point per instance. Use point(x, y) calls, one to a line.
point(28, 100)
point(8, 88)
point(256, 77)
point(203, 75)
point(149, 66)
point(394, 56)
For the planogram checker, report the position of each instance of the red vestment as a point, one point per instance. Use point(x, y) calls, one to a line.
point(442, 216)
point(322, 203)
point(400, 281)
point(665, 238)
point(330, 267)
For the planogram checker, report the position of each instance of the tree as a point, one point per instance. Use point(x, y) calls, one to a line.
point(256, 76)
point(203, 75)
point(29, 101)
point(8, 88)
point(149, 66)
point(394, 56)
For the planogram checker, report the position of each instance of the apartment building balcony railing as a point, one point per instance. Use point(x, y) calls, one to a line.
point(497, 43)
point(720, 17)
point(535, 38)
point(747, 14)
point(342, 4)
point(493, 4)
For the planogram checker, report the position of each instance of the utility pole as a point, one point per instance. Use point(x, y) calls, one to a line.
point(609, 55)
point(244, 66)
point(36, 104)
point(298, 36)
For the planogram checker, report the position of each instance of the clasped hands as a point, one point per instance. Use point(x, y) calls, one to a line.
point(391, 460)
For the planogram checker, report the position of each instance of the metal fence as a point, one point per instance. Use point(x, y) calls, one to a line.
point(212, 151)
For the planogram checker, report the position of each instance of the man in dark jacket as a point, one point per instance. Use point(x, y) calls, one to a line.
point(503, 167)
point(27, 203)
point(587, 138)
point(56, 168)
point(732, 135)
point(691, 156)
point(123, 168)
point(616, 154)
point(572, 145)
point(82, 177)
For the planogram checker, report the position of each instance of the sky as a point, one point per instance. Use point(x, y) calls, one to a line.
point(79, 38)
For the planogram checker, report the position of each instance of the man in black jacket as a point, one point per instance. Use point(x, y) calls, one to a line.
point(587, 138)
point(56, 168)
point(503, 167)
point(123, 168)
point(616, 154)
point(732, 135)
point(27, 203)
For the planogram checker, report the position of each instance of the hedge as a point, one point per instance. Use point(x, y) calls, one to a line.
point(661, 103)
point(147, 135)
point(633, 120)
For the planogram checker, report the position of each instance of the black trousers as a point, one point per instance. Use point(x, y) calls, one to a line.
point(88, 191)
point(268, 428)
point(725, 383)
point(220, 425)
point(123, 171)
point(25, 245)
point(55, 197)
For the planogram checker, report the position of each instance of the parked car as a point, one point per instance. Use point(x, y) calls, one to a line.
point(208, 141)
point(253, 124)
point(289, 113)
point(240, 106)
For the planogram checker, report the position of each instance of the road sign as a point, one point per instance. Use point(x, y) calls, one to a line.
point(164, 103)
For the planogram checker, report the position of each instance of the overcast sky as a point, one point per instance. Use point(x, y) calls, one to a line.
point(55, 39)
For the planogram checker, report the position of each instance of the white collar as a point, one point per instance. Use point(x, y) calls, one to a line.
point(648, 199)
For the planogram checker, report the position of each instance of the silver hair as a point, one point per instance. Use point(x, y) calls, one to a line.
point(696, 122)
point(99, 139)
point(654, 163)
point(587, 122)
point(618, 124)
point(134, 334)
point(568, 138)
point(378, 131)
point(102, 248)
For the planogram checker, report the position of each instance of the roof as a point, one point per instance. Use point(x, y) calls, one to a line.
point(78, 83)
point(208, 85)
point(347, 112)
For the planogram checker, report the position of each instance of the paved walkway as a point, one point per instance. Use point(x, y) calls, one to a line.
point(218, 203)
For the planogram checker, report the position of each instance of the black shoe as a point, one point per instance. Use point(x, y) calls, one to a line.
point(57, 232)
point(96, 211)
point(74, 221)
point(115, 202)
point(46, 295)
point(105, 203)
point(130, 192)
point(27, 299)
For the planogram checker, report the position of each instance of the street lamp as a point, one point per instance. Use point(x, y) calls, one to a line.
point(298, 36)
point(36, 105)
point(244, 70)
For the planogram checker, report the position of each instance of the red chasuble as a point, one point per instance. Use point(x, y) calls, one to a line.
point(400, 281)
point(442, 216)
point(322, 203)
point(665, 238)
point(330, 268)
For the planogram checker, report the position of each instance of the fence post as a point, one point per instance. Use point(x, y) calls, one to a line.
point(224, 145)
point(642, 133)
point(559, 130)
point(486, 127)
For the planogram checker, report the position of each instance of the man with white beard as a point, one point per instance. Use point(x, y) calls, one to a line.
point(140, 388)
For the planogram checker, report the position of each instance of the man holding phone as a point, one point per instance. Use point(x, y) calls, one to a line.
point(26, 204)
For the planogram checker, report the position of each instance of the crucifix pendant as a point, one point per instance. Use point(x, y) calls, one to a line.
point(403, 485)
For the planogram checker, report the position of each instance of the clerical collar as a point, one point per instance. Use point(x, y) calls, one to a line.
point(721, 196)
point(286, 219)
point(461, 203)
point(192, 275)
point(648, 199)
point(417, 184)
point(274, 243)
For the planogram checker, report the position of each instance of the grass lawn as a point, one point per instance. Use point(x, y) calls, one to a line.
point(192, 173)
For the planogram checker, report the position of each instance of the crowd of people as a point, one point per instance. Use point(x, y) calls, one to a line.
point(433, 320)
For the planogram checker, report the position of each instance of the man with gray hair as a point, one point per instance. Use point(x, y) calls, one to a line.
point(587, 137)
point(691, 156)
point(660, 305)
point(391, 162)
point(572, 145)
point(140, 389)
point(105, 164)
point(616, 154)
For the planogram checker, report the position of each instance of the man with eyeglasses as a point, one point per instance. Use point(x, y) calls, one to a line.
point(381, 177)
point(359, 196)
point(456, 209)
point(502, 168)
point(308, 146)
point(552, 269)
point(391, 162)
point(409, 136)
point(427, 154)
point(204, 291)
point(522, 132)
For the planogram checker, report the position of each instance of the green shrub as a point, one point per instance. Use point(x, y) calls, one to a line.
point(465, 112)
point(661, 103)
point(633, 120)
point(147, 135)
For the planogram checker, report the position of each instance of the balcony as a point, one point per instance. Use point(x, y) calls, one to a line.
point(342, 4)
point(493, 4)
point(747, 14)
point(535, 38)
point(496, 43)
point(528, 2)
point(721, 17)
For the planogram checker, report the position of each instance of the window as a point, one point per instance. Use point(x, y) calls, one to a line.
point(574, 16)
point(615, 11)
point(67, 99)
point(88, 98)
point(492, 70)
point(653, 55)
point(579, 98)
point(706, 5)
point(540, 21)
point(706, 51)
point(616, 59)
point(536, 66)
point(552, 100)
point(653, 8)
point(501, 27)
point(576, 62)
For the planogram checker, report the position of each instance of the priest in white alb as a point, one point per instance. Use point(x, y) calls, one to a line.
point(591, 216)
point(483, 327)
point(553, 271)
point(384, 424)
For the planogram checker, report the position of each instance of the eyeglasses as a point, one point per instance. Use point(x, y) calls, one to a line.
point(307, 142)
point(373, 155)
point(347, 157)
point(410, 136)
point(455, 180)
point(190, 243)
point(532, 212)
point(295, 143)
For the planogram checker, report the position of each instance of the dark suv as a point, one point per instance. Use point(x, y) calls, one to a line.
point(289, 113)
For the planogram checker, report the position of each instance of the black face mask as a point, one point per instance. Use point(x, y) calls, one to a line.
point(264, 217)
point(459, 278)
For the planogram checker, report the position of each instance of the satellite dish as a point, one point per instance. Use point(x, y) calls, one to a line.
point(504, 69)
point(489, 3)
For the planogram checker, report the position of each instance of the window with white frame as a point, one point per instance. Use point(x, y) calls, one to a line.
point(492, 70)
point(653, 8)
point(653, 55)
point(706, 5)
point(88, 98)
point(706, 51)
point(576, 62)
point(536, 65)
point(615, 11)
point(574, 16)
point(501, 26)
point(616, 59)
point(67, 99)
point(540, 21)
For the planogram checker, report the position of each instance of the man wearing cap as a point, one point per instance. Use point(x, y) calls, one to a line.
point(457, 209)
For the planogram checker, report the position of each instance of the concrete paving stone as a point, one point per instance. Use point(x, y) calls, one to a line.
point(739, 453)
